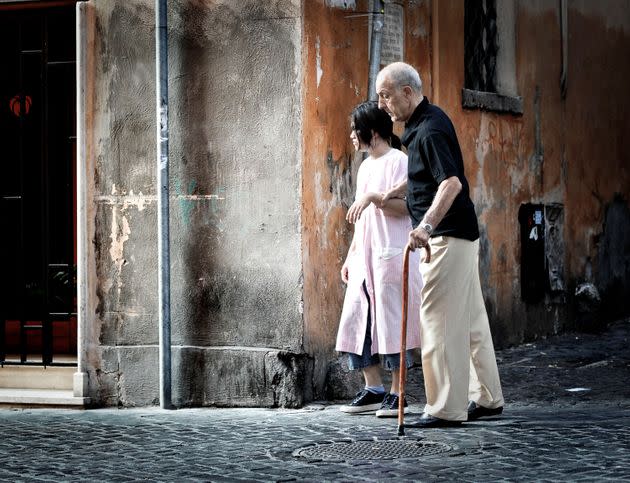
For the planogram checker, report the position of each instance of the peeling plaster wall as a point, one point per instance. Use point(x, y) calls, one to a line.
point(235, 143)
point(572, 152)
point(597, 170)
point(335, 79)
point(262, 174)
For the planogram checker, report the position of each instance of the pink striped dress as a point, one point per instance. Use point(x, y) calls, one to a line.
point(378, 259)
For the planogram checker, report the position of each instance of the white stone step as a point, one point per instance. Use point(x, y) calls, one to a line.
point(10, 397)
point(37, 377)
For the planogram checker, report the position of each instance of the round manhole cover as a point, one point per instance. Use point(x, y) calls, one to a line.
point(377, 449)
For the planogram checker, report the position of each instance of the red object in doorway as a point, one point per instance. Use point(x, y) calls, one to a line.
point(19, 107)
point(64, 337)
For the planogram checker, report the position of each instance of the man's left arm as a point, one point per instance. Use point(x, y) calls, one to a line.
point(394, 207)
point(446, 193)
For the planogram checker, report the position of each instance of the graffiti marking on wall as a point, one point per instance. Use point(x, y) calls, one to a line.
point(189, 201)
point(186, 201)
point(501, 142)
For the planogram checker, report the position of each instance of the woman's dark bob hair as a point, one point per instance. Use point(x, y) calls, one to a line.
point(367, 117)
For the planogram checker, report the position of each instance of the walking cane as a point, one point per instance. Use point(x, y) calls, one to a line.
point(403, 336)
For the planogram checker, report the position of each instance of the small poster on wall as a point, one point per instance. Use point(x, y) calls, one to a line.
point(392, 43)
point(392, 47)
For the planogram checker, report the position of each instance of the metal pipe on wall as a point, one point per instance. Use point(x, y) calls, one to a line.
point(164, 265)
point(378, 22)
point(564, 33)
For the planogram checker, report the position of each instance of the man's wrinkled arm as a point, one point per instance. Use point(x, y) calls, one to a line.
point(446, 194)
point(395, 207)
point(398, 191)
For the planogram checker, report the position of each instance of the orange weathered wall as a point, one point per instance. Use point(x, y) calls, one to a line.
point(597, 126)
point(499, 155)
point(583, 139)
point(335, 79)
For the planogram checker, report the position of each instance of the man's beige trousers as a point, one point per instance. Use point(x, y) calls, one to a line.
point(458, 360)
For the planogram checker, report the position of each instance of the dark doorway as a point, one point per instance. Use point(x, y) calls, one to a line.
point(37, 184)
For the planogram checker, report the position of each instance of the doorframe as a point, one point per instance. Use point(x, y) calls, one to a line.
point(86, 209)
point(22, 5)
point(85, 29)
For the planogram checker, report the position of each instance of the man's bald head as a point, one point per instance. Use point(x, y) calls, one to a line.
point(400, 75)
point(399, 90)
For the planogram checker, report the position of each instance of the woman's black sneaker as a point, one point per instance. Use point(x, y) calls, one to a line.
point(364, 402)
point(389, 408)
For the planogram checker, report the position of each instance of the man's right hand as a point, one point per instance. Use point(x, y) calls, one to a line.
point(418, 238)
point(385, 197)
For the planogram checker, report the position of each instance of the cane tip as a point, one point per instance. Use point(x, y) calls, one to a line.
point(401, 430)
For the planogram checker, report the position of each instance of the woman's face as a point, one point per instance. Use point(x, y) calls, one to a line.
point(358, 145)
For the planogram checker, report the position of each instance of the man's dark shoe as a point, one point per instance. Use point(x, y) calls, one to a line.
point(428, 421)
point(389, 408)
point(475, 411)
point(364, 402)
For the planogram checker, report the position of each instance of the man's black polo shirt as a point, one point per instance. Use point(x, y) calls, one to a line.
point(434, 155)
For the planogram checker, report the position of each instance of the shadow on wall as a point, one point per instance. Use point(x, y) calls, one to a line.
point(613, 274)
point(195, 176)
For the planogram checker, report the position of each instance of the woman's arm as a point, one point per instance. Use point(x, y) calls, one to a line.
point(354, 213)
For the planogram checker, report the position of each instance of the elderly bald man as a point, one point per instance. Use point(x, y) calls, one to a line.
point(458, 362)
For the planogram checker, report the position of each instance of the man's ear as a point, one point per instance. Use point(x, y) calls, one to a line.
point(408, 91)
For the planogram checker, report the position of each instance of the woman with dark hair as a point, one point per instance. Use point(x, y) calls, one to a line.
point(369, 329)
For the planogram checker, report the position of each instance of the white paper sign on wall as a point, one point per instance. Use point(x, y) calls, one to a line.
point(392, 47)
point(392, 42)
point(345, 4)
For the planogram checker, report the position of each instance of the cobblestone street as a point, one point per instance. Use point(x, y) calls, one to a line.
point(566, 419)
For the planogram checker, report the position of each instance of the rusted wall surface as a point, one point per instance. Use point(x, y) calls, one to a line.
point(236, 291)
point(572, 151)
point(598, 147)
point(335, 79)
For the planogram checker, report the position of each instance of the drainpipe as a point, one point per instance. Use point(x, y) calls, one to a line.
point(564, 32)
point(378, 21)
point(164, 265)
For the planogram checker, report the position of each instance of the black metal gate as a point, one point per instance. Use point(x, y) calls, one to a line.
point(37, 186)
